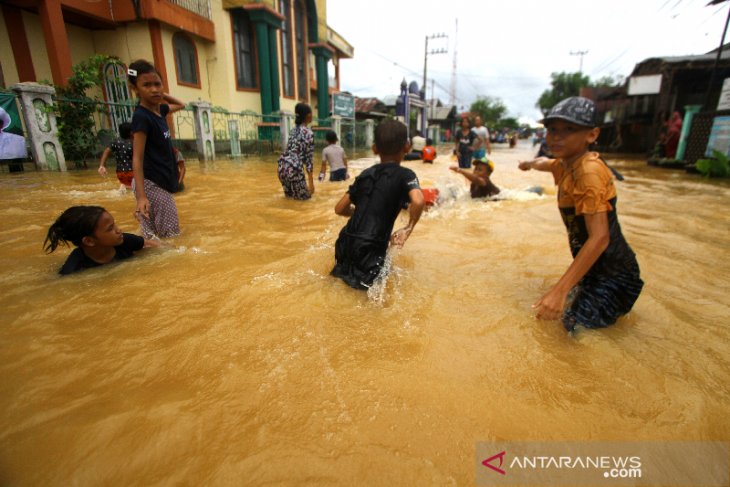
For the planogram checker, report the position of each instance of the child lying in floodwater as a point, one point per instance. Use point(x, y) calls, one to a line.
point(481, 185)
point(97, 238)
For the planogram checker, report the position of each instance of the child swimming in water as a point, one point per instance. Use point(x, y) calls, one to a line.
point(481, 185)
point(96, 236)
point(378, 193)
point(604, 271)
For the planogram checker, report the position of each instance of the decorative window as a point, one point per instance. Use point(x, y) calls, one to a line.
point(186, 60)
point(287, 57)
point(300, 16)
point(243, 50)
point(116, 90)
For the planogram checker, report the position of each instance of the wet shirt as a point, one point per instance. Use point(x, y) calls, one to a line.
point(379, 193)
point(587, 188)
point(335, 156)
point(299, 153)
point(478, 191)
point(159, 164)
point(78, 260)
point(122, 150)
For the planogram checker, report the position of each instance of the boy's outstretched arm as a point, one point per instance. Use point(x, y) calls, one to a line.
point(104, 156)
point(539, 164)
point(415, 209)
point(344, 206)
point(470, 176)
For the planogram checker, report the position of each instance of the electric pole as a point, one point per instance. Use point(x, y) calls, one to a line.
point(581, 54)
point(452, 91)
point(432, 51)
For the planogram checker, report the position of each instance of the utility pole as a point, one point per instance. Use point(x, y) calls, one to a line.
point(452, 91)
point(432, 51)
point(581, 54)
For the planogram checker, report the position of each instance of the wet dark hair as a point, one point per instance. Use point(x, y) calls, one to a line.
point(141, 66)
point(73, 225)
point(429, 141)
point(390, 137)
point(331, 136)
point(301, 111)
point(125, 130)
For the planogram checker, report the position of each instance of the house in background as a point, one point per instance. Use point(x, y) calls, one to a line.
point(370, 108)
point(632, 116)
point(262, 56)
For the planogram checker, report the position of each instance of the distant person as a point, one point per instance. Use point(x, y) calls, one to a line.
point(604, 271)
point(481, 184)
point(467, 141)
point(96, 236)
point(378, 195)
point(180, 161)
point(121, 147)
point(671, 141)
point(298, 157)
point(485, 147)
point(417, 145)
point(335, 156)
point(428, 154)
point(156, 174)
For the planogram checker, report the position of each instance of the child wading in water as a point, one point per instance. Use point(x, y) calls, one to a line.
point(298, 157)
point(335, 155)
point(97, 238)
point(604, 270)
point(378, 193)
point(122, 150)
point(156, 174)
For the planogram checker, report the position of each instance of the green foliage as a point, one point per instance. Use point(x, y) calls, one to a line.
point(564, 85)
point(75, 109)
point(490, 109)
point(607, 82)
point(510, 123)
point(717, 167)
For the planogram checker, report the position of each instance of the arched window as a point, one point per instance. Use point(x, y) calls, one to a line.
point(186, 60)
point(116, 90)
point(243, 50)
point(300, 16)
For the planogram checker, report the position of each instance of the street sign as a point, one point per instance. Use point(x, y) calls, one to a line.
point(343, 104)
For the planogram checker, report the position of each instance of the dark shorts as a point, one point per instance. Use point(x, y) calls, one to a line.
point(600, 300)
point(338, 175)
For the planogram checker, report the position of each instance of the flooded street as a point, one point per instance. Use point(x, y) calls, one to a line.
point(233, 358)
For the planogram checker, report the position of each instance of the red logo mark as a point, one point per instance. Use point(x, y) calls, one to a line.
point(499, 455)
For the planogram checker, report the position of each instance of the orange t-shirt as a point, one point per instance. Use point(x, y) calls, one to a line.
point(587, 185)
point(428, 154)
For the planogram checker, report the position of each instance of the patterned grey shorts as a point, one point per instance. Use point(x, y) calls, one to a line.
point(163, 220)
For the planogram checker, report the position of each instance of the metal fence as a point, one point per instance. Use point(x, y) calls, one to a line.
point(235, 133)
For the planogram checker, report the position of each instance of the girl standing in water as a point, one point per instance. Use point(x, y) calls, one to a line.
point(156, 174)
point(465, 143)
point(298, 156)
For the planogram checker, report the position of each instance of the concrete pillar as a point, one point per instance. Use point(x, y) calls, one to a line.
point(286, 123)
point(689, 114)
point(322, 55)
point(204, 141)
point(369, 132)
point(337, 126)
point(56, 38)
point(36, 103)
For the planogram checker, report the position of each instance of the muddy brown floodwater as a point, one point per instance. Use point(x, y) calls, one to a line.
point(233, 358)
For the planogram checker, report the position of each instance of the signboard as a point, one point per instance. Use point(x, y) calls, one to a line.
point(645, 85)
point(7, 103)
point(724, 102)
point(719, 136)
point(343, 104)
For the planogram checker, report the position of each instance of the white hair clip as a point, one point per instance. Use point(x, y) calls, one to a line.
point(131, 72)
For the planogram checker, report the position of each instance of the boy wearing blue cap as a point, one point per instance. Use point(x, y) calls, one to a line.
point(604, 272)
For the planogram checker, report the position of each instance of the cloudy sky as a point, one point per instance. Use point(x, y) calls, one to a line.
point(507, 49)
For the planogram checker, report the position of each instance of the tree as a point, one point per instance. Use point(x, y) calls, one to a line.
point(490, 109)
point(564, 85)
point(607, 82)
point(510, 123)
